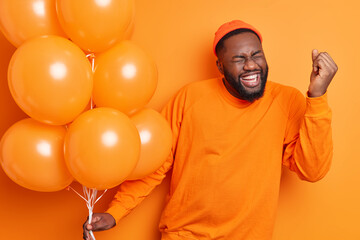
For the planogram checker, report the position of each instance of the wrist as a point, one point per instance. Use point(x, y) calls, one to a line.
point(315, 93)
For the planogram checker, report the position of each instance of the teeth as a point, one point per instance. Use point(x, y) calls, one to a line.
point(250, 78)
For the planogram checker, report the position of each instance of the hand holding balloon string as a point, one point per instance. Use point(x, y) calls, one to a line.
point(90, 199)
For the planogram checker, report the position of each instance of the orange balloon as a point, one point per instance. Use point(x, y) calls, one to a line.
point(50, 78)
point(95, 25)
point(125, 78)
point(130, 29)
point(22, 20)
point(102, 148)
point(32, 155)
point(156, 142)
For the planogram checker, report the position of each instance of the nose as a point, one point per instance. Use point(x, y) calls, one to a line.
point(249, 65)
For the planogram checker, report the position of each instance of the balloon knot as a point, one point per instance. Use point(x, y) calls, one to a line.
point(90, 55)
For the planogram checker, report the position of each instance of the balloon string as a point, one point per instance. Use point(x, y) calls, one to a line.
point(90, 199)
point(91, 103)
point(91, 57)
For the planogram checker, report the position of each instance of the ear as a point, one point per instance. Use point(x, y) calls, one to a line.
point(220, 66)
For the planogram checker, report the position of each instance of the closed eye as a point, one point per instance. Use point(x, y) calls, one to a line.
point(257, 54)
point(238, 58)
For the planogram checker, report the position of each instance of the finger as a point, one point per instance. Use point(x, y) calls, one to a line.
point(85, 232)
point(322, 64)
point(86, 235)
point(89, 227)
point(315, 66)
point(326, 63)
point(85, 223)
point(325, 57)
point(92, 226)
point(315, 54)
point(331, 62)
point(96, 226)
point(95, 219)
point(85, 226)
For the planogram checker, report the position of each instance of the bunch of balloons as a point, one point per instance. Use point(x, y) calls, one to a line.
point(52, 80)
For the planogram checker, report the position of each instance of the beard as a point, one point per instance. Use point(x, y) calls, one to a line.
point(241, 90)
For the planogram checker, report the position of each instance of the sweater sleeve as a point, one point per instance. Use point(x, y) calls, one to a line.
point(308, 146)
point(131, 193)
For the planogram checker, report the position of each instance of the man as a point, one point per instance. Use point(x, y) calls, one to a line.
point(231, 137)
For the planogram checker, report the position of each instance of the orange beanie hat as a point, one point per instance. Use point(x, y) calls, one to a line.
point(231, 26)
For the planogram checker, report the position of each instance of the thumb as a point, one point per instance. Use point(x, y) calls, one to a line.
point(315, 54)
point(89, 227)
point(94, 223)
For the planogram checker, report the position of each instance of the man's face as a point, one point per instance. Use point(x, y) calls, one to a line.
point(244, 66)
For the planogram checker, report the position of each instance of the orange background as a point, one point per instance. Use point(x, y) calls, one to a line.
point(179, 34)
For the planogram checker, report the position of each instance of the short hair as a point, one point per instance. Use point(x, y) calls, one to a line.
point(220, 44)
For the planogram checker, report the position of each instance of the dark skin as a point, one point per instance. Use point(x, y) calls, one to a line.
point(100, 222)
point(324, 70)
point(243, 54)
point(243, 58)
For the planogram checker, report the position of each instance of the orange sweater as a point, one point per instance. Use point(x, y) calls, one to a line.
point(227, 160)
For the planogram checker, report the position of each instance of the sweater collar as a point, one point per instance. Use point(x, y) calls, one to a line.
point(230, 98)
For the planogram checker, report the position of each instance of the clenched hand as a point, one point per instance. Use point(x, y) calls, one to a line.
point(100, 222)
point(324, 69)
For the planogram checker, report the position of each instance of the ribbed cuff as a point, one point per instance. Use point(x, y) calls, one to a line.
point(118, 212)
point(316, 106)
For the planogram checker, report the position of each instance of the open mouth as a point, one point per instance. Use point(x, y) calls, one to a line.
point(250, 80)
